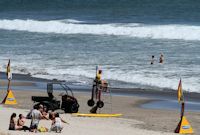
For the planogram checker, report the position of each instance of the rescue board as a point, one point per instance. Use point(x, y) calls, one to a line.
point(96, 115)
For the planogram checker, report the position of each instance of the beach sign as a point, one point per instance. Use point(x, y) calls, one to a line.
point(184, 126)
point(10, 98)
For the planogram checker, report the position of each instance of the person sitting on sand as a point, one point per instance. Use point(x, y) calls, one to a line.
point(13, 123)
point(161, 58)
point(57, 123)
point(52, 115)
point(45, 111)
point(21, 122)
point(152, 59)
point(36, 115)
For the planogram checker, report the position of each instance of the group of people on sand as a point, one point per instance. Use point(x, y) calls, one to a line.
point(161, 59)
point(17, 124)
point(36, 114)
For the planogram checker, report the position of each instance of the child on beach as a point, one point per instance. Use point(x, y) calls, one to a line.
point(57, 123)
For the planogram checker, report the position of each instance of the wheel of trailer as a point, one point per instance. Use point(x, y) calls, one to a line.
point(91, 102)
point(100, 104)
point(74, 108)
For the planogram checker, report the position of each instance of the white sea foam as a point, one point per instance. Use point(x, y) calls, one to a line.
point(71, 21)
point(157, 78)
point(84, 76)
point(184, 32)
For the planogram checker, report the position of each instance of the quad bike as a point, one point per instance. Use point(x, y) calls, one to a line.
point(68, 102)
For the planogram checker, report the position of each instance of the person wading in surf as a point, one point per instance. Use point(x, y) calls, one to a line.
point(161, 58)
point(152, 59)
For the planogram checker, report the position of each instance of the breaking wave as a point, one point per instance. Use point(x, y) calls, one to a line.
point(171, 31)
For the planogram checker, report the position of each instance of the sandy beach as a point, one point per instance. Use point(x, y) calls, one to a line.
point(135, 120)
point(79, 125)
point(82, 126)
point(145, 51)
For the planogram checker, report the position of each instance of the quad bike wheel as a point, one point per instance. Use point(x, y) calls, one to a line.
point(74, 108)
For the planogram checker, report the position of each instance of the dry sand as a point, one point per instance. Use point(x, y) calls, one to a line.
point(80, 125)
point(135, 120)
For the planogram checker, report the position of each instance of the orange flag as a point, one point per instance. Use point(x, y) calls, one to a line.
point(180, 92)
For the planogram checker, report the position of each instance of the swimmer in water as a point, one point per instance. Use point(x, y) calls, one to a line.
point(152, 60)
point(161, 58)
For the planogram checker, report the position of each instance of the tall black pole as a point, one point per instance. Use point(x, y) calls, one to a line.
point(8, 88)
point(182, 109)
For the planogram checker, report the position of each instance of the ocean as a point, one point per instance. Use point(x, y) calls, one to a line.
point(67, 39)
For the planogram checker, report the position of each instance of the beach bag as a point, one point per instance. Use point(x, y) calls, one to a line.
point(43, 129)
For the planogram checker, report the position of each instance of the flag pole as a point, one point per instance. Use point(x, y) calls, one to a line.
point(182, 109)
point(8, 75)
point(8, 88)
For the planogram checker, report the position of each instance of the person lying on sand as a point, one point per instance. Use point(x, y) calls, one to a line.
point(13, 123)
point(57, 123)
point(21, 122)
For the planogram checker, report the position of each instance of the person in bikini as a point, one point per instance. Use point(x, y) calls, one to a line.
point(13, 123)
point(21, 122)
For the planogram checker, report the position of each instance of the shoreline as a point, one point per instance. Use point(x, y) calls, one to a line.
point(24, 80)
point(157, 99)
